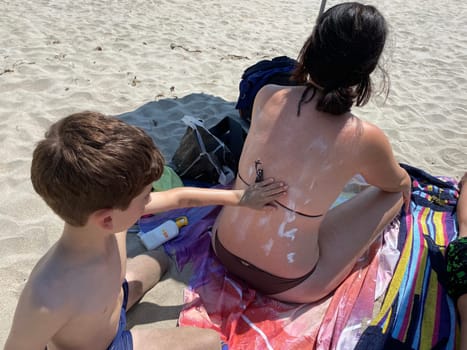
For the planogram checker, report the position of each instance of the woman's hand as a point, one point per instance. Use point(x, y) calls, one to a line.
point(260, 194)
point(407, 192)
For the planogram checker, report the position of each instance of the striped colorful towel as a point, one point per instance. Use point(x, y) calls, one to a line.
point(416, 312)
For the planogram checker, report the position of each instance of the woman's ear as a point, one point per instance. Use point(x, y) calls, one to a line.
point(103, 219)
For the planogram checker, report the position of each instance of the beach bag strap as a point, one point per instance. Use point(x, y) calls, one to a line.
point(202, 156)
point(232, 132)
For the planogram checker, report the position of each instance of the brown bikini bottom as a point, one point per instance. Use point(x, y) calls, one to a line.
point(258, 279)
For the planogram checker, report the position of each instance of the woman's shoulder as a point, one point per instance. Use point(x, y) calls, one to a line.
point(372, 132)
point(373, 141)
point(278, 94)
point(269, 90)
point(364, 127)
point(271, 96)
point(363, 133)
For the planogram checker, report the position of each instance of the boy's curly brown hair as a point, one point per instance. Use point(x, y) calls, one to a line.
point(89, 161)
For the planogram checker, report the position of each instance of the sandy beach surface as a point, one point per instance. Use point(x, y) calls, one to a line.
point(158, 60)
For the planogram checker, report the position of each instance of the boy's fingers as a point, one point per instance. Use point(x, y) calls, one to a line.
point(276, 192)
point(269, 207)
point(272, 190)
point(270, 182)
point(266, 182)
point(275, 185)
point(270, 195)
point(278, 187)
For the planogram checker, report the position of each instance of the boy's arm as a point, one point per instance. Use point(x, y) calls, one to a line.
point(255, 196)
point(33, 324)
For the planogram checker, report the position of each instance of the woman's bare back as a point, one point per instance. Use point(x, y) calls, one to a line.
point(315, 156)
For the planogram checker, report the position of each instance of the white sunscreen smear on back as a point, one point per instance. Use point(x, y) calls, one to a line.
point(263, 221)
point(291, 257)
point(287, 234)
point(268, 246)
point(251, 171)
point(282, 232)
point(242, 228)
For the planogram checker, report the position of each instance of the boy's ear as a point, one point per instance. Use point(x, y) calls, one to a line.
point(103, 218)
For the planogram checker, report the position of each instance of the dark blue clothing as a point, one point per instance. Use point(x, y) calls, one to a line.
point(123, 339)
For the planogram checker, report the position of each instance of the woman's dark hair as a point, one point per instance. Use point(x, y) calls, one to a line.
point(340, 54)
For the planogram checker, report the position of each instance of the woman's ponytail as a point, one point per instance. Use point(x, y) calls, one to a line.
point(336, 101)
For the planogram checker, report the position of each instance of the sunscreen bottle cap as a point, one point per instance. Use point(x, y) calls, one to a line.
point(181, 221)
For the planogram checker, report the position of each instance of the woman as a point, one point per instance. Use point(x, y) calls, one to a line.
point(306, 136)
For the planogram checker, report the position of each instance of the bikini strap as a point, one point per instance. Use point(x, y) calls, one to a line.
point(303, 98)
point(280, 204)
point(297, 212)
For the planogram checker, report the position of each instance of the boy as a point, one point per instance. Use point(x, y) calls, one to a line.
point(95, 172)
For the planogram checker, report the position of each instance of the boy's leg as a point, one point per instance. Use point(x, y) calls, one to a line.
point(143, 272)
point(183, 338)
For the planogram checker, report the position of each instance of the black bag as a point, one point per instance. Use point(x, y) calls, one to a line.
point(276, 71)
point(209, 155)
point(232, 132)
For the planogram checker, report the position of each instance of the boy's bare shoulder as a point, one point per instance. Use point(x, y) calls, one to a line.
point(61, 280)
point(49, 287)
point(58, 278)
point(43, 307)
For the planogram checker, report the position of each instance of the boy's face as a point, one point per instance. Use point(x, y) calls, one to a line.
point(126, 218)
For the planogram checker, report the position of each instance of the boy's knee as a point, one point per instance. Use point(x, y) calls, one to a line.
point(210, 339)
point(148, 267)
point(163, 259)
point(160, 257)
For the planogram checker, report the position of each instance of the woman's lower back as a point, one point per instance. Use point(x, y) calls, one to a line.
point(274, 240)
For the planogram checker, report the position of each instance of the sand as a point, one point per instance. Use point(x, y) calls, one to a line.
point(156, 61)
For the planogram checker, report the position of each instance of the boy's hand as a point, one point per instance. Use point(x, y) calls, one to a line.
point(259, 194)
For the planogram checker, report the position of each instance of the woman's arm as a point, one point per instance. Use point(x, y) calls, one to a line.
point(255, 196)
point(379, 166)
